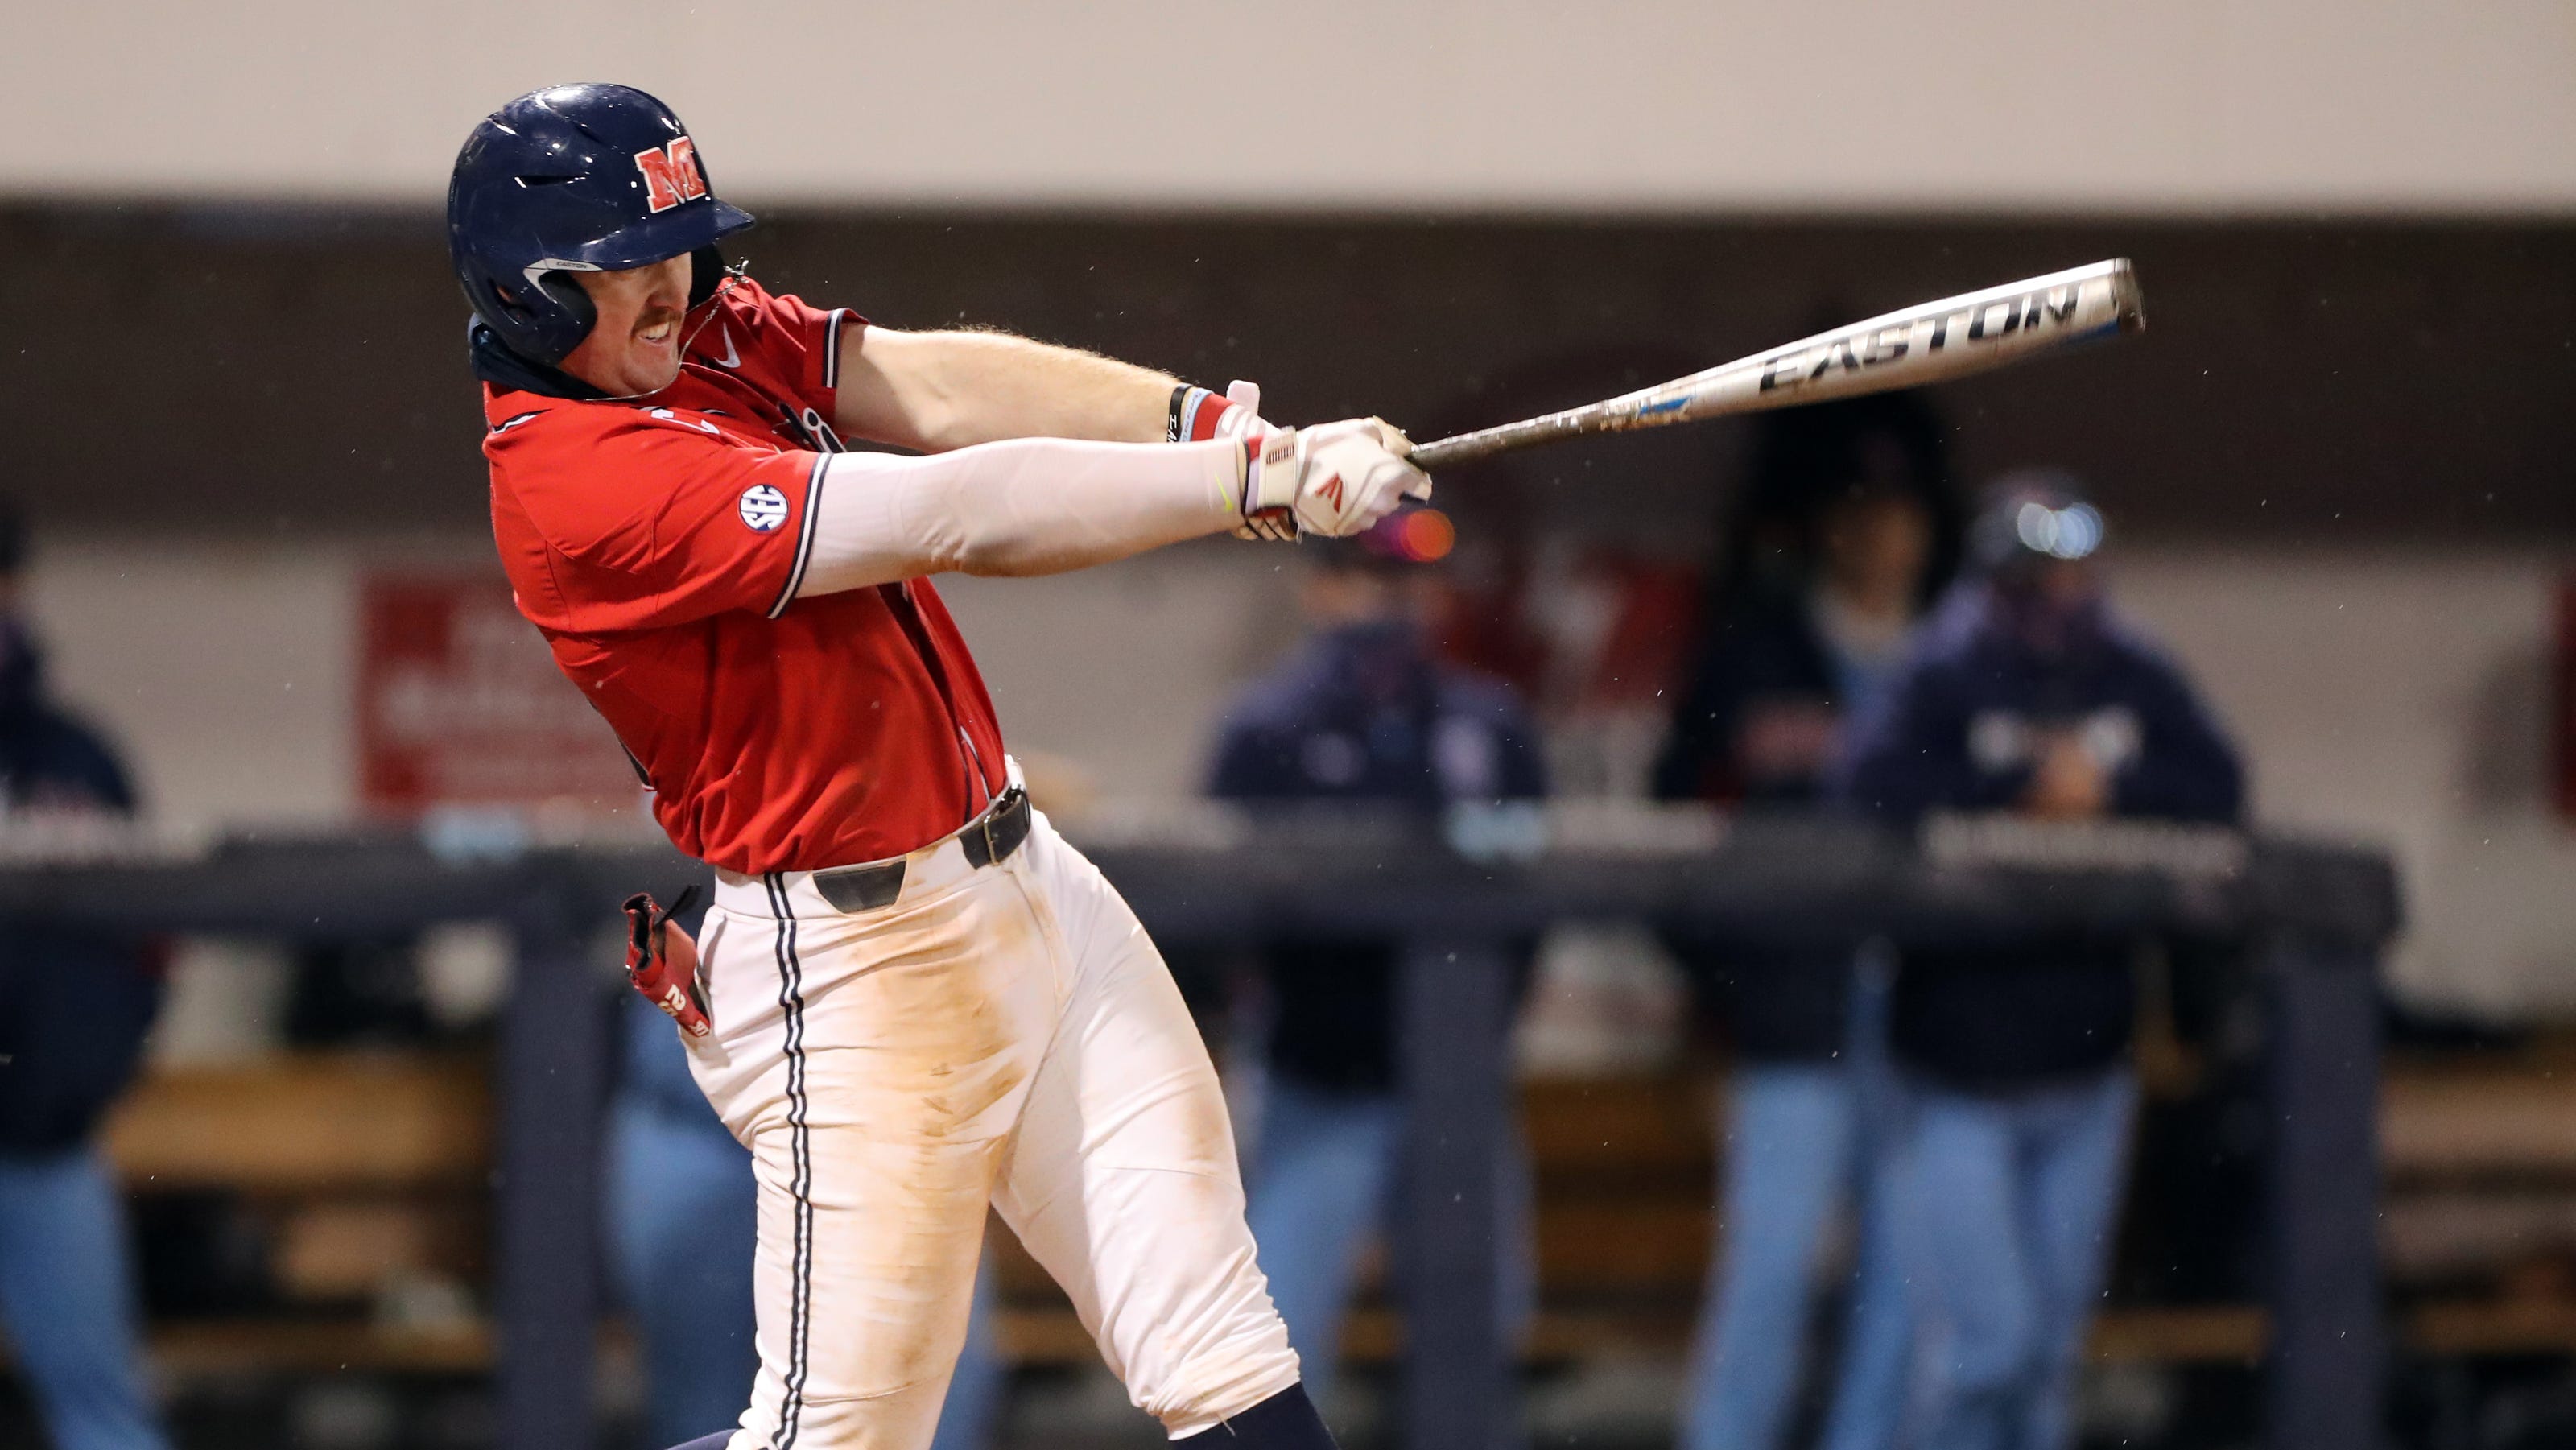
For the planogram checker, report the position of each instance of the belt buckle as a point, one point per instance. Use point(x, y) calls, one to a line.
point(1009, 800)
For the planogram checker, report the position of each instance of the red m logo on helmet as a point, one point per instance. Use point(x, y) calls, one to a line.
point(671, 174)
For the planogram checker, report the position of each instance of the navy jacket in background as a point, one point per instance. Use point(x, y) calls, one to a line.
point(1780, 1004)
point(1764, 651)
point(1364, 714)
point(1956, 732)
point(74, 1005)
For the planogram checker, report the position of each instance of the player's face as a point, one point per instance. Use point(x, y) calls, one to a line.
point(635, 345)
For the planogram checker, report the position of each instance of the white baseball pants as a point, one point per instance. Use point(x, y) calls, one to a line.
point(1008, 1036)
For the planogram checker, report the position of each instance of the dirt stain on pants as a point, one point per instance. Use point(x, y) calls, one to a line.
point(1008, 1037)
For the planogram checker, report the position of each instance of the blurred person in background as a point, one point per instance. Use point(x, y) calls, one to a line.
point(1847, 531)
point(1364, 713)
point(681, 1211)
point(2025, 693)
point(70, 1041)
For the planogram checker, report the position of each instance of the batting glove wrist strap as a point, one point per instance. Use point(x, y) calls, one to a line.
point(1198, 415)
point(662, 961)
point(1273, 461)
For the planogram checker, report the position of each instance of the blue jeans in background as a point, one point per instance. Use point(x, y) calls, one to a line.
point(1322, 1185)
point(681, 1224)
point(2010, 1203)
point(1798, 1152)
point(67, 1296)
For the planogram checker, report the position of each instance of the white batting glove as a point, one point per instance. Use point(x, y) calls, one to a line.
point(1198, 415)
point(1244, 420)
point(1334, 479)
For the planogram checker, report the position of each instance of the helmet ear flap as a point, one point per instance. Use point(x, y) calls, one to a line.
point(567, 293)
point(707, 269)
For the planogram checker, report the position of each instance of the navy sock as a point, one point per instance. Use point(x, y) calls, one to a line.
point(1285, 1421)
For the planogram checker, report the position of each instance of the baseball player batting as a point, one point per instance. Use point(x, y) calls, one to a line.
point(912, 998)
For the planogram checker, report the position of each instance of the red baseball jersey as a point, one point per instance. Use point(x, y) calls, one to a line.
point(658, 543)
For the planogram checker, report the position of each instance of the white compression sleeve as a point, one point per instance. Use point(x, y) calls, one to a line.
point(1023, 506)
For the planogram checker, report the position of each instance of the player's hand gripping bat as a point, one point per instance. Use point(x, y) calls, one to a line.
point(1928, 343)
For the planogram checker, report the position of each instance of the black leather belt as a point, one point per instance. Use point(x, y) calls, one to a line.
point(988, 840)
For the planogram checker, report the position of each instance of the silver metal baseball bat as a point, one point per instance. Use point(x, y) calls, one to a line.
point(1928, 343)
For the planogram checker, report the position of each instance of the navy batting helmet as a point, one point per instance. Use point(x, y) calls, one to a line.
point(586, 178)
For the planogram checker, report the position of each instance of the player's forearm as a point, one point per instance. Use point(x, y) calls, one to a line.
point(936, 391)
point(1020, 507)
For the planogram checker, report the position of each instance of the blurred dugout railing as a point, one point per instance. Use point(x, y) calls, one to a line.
point(1456, 892)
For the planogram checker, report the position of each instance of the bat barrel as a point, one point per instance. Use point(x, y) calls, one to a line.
point(1954, 337)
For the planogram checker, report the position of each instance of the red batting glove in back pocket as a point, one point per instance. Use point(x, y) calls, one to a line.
point(662, 961)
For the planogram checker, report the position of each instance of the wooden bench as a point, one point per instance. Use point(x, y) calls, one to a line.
point(367, 1164)
point(307, 1124)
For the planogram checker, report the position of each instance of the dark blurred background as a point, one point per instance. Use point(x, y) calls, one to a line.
point(2280, 396)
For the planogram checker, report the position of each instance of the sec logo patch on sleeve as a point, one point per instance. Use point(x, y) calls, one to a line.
point(763, 508)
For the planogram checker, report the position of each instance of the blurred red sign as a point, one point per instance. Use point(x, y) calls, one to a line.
point(460, 704)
